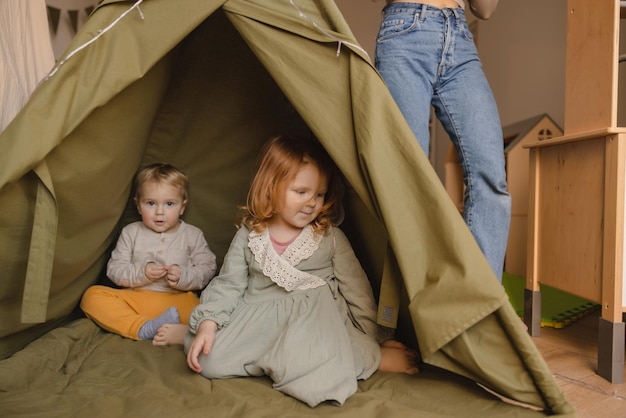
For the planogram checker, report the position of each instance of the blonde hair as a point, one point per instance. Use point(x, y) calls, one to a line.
point(163, 173)
point(279, 161)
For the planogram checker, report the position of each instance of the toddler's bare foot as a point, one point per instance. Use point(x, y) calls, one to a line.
point(170, 334)
point(397, 358)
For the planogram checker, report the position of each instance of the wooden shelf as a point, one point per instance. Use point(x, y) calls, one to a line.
point(576, 186)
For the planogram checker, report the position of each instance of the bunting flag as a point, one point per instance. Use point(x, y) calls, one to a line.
point(55, 14)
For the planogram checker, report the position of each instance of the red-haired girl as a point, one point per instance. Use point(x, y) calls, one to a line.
point(291, 300)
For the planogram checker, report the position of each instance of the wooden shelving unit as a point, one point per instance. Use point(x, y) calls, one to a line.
point(576, 186)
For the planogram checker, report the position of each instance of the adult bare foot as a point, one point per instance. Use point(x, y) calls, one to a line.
point(170, 334)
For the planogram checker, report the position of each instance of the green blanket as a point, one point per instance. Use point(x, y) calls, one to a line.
point(79, 370)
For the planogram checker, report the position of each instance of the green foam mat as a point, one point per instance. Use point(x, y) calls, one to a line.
point(558, 308)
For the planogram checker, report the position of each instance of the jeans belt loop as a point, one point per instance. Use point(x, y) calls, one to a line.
point(457, 15)
point(423, 13)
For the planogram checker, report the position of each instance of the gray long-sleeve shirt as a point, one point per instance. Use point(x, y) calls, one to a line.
point(138, 245)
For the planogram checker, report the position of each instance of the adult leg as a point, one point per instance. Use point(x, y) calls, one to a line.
point(408, 50)
point(466, 107)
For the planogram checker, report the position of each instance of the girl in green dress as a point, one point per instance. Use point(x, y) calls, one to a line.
point(291, 300)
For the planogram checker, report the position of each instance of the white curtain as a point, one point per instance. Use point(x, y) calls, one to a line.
point(26, 54)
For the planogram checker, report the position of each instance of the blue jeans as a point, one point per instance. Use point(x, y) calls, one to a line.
point(427, 56)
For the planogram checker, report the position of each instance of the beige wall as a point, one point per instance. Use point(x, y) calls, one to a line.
point(523, 54)
point(363, 16)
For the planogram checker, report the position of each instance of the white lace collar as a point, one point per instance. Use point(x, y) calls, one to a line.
point(280, 269)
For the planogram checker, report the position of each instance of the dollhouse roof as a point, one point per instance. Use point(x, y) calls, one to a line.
point(514, 133)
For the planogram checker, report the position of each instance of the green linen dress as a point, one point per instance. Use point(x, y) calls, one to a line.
point(306, 318)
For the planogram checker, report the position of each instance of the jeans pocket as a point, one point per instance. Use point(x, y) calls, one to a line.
point(397, 26)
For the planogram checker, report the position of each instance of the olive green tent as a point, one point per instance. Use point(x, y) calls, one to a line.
point(202, 84)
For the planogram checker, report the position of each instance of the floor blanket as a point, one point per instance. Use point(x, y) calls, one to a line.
point(80, 370)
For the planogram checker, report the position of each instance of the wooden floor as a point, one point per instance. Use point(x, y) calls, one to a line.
point(571, 354)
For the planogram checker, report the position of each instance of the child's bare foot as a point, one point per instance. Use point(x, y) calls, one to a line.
point(397, 358)
point(170, 334)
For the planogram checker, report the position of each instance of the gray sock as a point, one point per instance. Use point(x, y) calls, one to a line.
point(150, 328)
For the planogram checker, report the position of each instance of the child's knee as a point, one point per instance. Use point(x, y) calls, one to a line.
point(92, 296)
point(88, 297)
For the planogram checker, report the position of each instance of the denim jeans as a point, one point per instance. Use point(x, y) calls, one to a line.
point(427, 56)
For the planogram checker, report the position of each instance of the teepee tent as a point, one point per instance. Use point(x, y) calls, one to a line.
point(202, 84)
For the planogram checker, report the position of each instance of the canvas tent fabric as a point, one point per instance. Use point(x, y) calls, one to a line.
point(202, 84)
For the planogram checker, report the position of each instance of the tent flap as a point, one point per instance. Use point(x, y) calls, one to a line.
point(41, 254)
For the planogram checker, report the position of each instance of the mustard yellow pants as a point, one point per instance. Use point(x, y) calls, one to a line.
point(124, 311)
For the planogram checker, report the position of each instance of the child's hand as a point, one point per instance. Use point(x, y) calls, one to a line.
point(155, 272)
point(173, 274)
point(202, 343)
